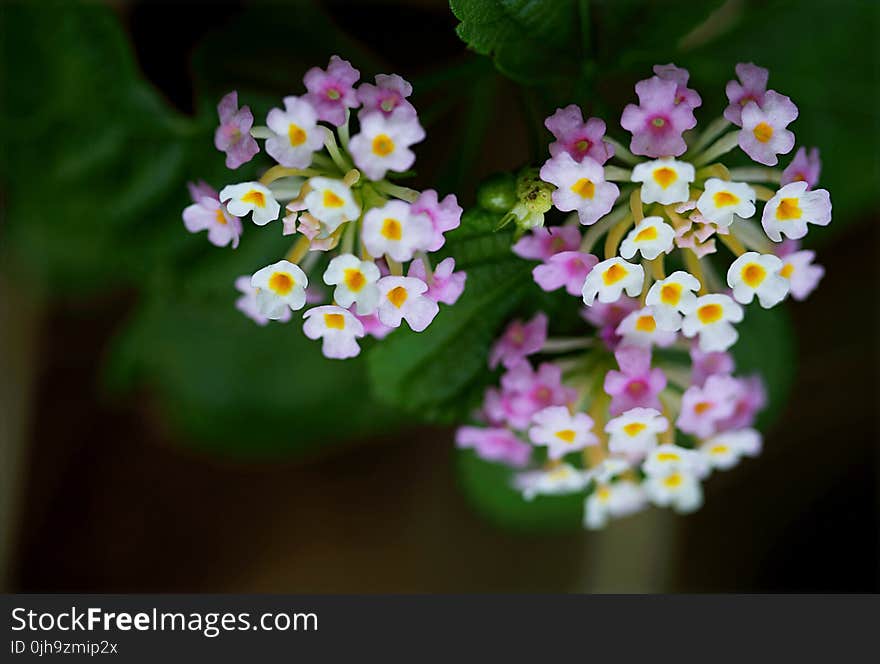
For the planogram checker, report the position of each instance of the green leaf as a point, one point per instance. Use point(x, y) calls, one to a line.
point(440, 372)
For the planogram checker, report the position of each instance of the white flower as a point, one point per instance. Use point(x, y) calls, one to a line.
point(634, 433)
point(667, 459)
point(711, 318)
point(724, 450)
point(331, 203)
point(671, 297)
point(665, 181)
point(757, 274)
point(651, 237)
point(338, 327)
point(251, 197)
point(561, 431)
point(281, 286)
point(721, 201)
point(394, 230)
point(612, 500)
point(608, 279)
point(355, 281)
point(679, 490)
point(402, 298)
point(580, 186)
point(295, 133)
point(792, 208)
point(608, 469)
point(383, 142)
point(562, 479)
point(640, 328)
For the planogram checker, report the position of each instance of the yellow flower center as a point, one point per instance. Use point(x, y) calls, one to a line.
point(667, 456)
point(646, 234)
point(789, 208)
point(296, 135)
point(634, 428)
point(354, 279)
point(646, 324)
point(603, 493)
point(787, 270)
point(753, 274)
point(613, 274)
point(719, 449)
point(334, 321)
point(220, 217)
point(702, 407)
point(392, 229)
point(724, 199)
point(673, 481)
point(331, 200)
point(566, 435)
point(710, 313)
point(383, 145)
point(584, 188)
point(763, 132)
point(665, 176)
point(281, 282)
point(254, 197)
point(397, 296)
point(670, 294)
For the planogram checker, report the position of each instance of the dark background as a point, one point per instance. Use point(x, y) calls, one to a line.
point(111, 498)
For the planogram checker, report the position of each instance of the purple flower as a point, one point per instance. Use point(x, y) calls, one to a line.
point(389, 93)
point(233, 136)
point(208, 213)
point(445, 215)
point(567, 268)
point(683, 94)
point(658, 122)
point(803, 168)
point(803, 276)
point(764, 134)
point(373, 326)
point(703, 409)
point(331, 91)
point(750, 397)
point(525, 391)
point(519, 341)
point(709, 364)
point(636, 385)
point(578, 138)
point(247, 303)
point(494, 444)
point(607, 316)
point(751, 87)
point(580, 186)
point(542, 243)
point(445, 285)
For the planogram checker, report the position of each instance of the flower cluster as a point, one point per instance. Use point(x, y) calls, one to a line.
point(645, 405)
point(368, 238)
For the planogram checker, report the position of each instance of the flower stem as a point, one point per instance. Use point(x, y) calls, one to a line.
point(621, 152)
point(756, 174)
point(617, 174)
point(277, 172)
point(692, 261)
point(403, 193)
point(720, 147)
point(299, 249)
point(615, 235)
point(564, 344)
point(658, 268)
point(733, 244)
point(601, 227)
point(333, 150)
point(712, 131)
point(635, 205)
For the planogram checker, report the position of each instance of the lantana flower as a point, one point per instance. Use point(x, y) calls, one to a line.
point(612, 501)
point(396, 231)
point(805, 167)
point(659, 120)
point(331, 90)
point(724, 450)
point(247, 303)
point(338, 328)
point(722, 201)
point(567, 268)
point(651, 237)
point(403, 298)
point(331, 202)
point(355, 282)
point(764, 134)
point(295, 133)
point(664, 181)
point(754, 274)
point(208, 213)
point(634, 433)
point(446, 285)
point(802, 274)
point(751, 87)
point(233, 136)
point(667, 459)
point(560, 479)
point(561, 432)
point(640, 329)
point(683, 94)
point(251, 197)
point(581, 186)
point(703, 408)
point(578, 138)
point(388, 94)
point(445, 215)
point(495, 444)
point(679, 490)
point(673, 297)
point(384, 142)
point(711, 319)
point(609, 279)
point(636, 385)
point(519, 341)
point(281, 286)
point(541, 243)
point(792, 208)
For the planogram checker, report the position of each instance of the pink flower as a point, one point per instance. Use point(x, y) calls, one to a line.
point(233, 136)
point(403, 298)
point(445, 285)
point(567, 268)
point(519, 341)
point(578, 138)
point(580, 186)
point(804, 168)
point(525, 391)
point(373, 326)
point(658, 122)
point(561, 431)
point(636, 385)
point(751, 87)
point(331, 91)
point(683, 94)
point(247, 303)
point(542, 243)
point(494, 444)
point(607, 316)
point(208, 213)
point(389, 93)
point(803, 276)
point(704, 408)
point(750, 397)
point(764, 134)
point(445, 215)
point(709, 364)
